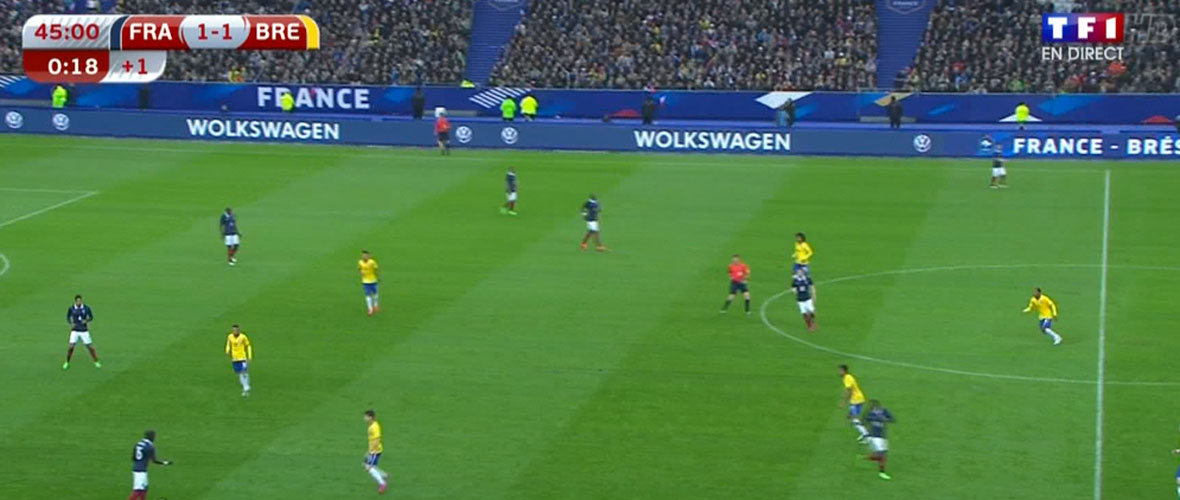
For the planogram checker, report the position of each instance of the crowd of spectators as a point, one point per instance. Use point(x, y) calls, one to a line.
point(969, 46)
point(13, 14)
point(699, 44)
point(361, 41)
point(995, 46)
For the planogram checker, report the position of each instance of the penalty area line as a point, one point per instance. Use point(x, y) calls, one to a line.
point(41, 190)
point(6, 264)
point(83, 196)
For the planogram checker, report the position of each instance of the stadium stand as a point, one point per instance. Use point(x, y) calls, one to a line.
point(995, 46)
point(13, 14)
point(968, 46)
point(702, 44)
point(365, 41)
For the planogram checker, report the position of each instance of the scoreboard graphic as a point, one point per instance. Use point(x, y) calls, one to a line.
point(133, 48)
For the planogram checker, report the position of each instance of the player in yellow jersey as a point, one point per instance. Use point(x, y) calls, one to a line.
point(802, 255)
point(1046, 313)
point(854, 399)
point(240, 352)
point(375, 449)
point(368, 269)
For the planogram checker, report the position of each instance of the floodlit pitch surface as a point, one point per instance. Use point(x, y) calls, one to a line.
point(506, 363)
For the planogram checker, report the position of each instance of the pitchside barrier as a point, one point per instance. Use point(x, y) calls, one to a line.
point(1131, 143)
point(842, 107)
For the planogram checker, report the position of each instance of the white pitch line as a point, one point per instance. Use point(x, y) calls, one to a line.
point(29, 215)
point(39, 190)
point(334, 151)
point(1101, 386)
point(323, 150)
point(1002, 376)
point(84, 195)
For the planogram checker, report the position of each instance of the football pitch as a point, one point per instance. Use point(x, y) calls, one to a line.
point(507, 363)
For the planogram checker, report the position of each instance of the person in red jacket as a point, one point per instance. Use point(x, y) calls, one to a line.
point(739, 282)
point(442, 128)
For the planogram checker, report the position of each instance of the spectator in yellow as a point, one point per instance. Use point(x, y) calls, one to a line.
point(508, 109)
point(1021, 114)
point(528, 107)
point(60, 95)
point(287, 102)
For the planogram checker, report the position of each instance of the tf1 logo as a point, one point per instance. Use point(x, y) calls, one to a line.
point(1082, 28)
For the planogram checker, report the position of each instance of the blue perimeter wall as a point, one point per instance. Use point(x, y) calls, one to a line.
point(1133, 143)
point(1113, 109)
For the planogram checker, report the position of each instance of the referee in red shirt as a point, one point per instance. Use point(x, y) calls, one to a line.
point(739, 277)
point(442, 128)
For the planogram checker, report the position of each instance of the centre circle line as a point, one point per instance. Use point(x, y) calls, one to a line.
point(1003, 376)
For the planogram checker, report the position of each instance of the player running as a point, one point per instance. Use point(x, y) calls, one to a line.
point(854, 399)
point(144, 452)
point(368, 269)
point(1046, 313)
point(590, 211)
point(240, 352)
point(999, 173)
point(375, 449)
point(805, 296)
point(510, 192)
point(229, 232)
point(878, 417)
point(79, 317)
point(803, 253)
point(739, 277)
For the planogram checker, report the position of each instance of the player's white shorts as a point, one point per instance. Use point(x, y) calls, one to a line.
point(232, 239)
point(807, 306)
point(512, 196)
point(999, 172)
point(83, 336)
point(878, 445)
point(139, 481)
point(592, 226)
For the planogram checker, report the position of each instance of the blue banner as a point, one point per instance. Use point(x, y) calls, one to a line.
point(1117, 109)
point(483, 133)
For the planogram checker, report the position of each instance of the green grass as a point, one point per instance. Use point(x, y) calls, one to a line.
point(508, 364)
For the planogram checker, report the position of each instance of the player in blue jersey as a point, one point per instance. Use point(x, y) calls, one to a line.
point(510, 192)
point(805, 295)
point(878, 417)
point(999, 172)
point(229, 231)
point(1177, 452)
point(143, 455)
point(79, 317)
point(590, 211)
